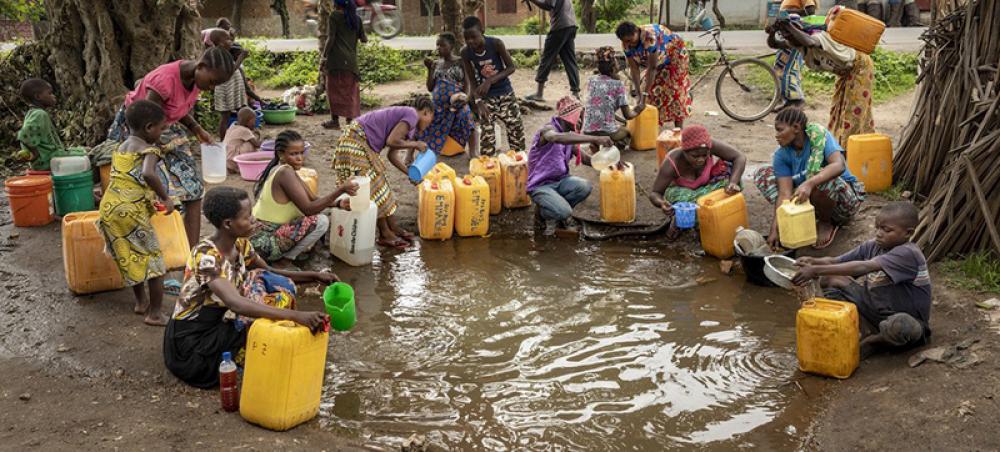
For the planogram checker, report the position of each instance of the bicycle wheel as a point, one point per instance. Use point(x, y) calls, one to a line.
point(747, 89)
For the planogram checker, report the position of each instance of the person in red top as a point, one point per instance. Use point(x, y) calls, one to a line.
point(175, 87)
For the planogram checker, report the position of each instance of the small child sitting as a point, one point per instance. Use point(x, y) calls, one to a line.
point(607, 95)
point(894, 298)
point(241, 138)
point(38, 135)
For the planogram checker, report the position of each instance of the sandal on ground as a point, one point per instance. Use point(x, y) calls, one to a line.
point(534, 98)
point(172, 287)
point(399, 243)
point(833, 235)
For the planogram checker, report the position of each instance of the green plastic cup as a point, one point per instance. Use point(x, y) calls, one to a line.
point(339, 301)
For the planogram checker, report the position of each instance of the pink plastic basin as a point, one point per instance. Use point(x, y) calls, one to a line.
point(253, 164)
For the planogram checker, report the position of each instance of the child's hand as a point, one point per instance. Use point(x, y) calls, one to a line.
point(204, 136)
point(804, 275)
point(344, 203)
point(168, 208)
point(603, 141)
point(349, 187)
point(667, 208)
point(804, 261)
point(483, 90)
point(733, 189)
point(429, 63)
point(324, 277)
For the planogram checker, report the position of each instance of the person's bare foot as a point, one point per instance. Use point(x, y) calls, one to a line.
point(155, 320)
point(140, 308)
point(673, 232)
point(403, 234)
point(331, 125)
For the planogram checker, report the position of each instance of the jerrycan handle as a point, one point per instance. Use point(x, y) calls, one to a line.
point(286, 324)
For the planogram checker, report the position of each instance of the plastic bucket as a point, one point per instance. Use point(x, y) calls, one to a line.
point(32, 172)
point(339, 301)
point(74, 193)
point(422, 165)
point(30, 200)
point(252, 165)
point(685, 214)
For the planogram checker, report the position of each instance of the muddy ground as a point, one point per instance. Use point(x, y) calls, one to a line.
point(85, 373)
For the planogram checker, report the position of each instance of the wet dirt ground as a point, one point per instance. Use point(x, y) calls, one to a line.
point(506, 342)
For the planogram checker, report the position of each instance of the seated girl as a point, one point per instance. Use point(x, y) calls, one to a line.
point(700, 166)
point(290, 218)
point(225, 274)
point(607, 95)
point(358, 153)
point(447, 84)
point(809, 166)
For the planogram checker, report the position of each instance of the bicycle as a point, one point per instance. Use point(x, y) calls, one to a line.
point(748, 88)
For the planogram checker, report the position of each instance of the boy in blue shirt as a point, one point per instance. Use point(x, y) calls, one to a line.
point(893, 294)
point(810, 166)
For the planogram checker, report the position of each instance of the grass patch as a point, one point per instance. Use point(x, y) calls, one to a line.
point(894, 193)
point(979, 272)
point(377, 62)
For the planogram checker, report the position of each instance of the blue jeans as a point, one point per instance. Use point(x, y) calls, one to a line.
point(555, 201)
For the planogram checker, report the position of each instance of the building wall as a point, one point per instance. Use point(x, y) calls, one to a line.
point(258, 17)
point(415, 23)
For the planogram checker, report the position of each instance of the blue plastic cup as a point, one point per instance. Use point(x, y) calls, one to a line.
point(422, 165)
point(684, 212)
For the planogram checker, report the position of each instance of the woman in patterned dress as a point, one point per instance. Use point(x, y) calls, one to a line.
point(447, 84)
point(664, 57)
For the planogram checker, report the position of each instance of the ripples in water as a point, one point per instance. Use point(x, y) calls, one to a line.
point(500, 344)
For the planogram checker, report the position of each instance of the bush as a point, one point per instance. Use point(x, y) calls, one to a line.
point(978, 271)
point(525, 58)
point(379, 63)
point(534, 26)
point(302, 69)
point(605, 26)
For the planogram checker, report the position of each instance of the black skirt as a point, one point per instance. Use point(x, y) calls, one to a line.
point(192, 349)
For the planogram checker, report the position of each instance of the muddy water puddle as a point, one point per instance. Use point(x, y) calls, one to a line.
point(510, 343)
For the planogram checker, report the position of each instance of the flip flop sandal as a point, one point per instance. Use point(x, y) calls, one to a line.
point(172, 287)
point(534, 98)
point(408, 236)
point(825, 245)
point(399, 243)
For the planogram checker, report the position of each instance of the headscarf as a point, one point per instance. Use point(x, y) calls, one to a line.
point(351, 13)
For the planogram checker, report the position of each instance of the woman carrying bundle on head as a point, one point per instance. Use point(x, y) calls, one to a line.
point(175, 87)
point(358, 150)
point(851, 108)
point(289, 217)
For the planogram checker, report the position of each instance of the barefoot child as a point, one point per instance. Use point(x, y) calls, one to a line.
point(606, 96)
point(894, 295)
point(552, 189)
point(225, 274)
point(489, 66)
point(38, 135)
point(241, 138)
point(127, 207)
point(809, 166)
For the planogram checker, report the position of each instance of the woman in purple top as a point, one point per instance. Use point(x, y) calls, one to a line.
point(358, 151)
point(552, 189)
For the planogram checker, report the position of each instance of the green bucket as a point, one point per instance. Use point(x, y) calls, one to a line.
point(339, 300)
point(73, 193)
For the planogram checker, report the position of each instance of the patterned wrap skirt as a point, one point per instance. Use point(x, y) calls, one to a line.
point(354, 155)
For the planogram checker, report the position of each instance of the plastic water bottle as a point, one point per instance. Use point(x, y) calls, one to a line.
point(227, 383)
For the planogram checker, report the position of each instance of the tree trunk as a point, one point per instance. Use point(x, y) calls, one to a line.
point(430, 6)
point(323, 13)
point(95, 52)
point(588, 16)
point(237, 15)
point(451, 19)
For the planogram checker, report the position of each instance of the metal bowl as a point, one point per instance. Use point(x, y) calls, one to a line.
point(779, 270)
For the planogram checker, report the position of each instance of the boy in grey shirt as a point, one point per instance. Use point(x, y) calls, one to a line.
point(561, 42)
point(893, 294)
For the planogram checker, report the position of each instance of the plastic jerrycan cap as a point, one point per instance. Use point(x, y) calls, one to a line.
point(467, 180)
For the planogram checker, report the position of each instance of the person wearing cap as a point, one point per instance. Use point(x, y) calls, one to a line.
point(552, 189)
point(700, 166)
point(606, 96)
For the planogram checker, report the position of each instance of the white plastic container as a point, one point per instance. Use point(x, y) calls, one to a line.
point(213, 163)
point(605, 157)
point(352, 234)
point(64, 166)
point(360, 201)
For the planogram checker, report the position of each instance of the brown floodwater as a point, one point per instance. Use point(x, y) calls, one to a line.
point(517, 343)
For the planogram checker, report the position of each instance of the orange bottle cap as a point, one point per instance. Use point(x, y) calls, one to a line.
point(467, 180)
point(518, 157)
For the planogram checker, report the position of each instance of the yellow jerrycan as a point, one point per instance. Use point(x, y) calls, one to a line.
point(618, 194)
point(472, 207)
point(173, 239)
point(451, 148)
point(856, 29)
point(436, 211)
point(644, 129)
point(719, 215)
point(489, 169)
point(88, 267)
point(826, 337)
point(796, 224)
point(869, 157)
point(282, 374)
point(514, 175)
point(311, 179)
point(668, 140)
point(440, 171)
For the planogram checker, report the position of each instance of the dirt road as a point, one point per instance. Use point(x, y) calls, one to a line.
point(84, 373)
